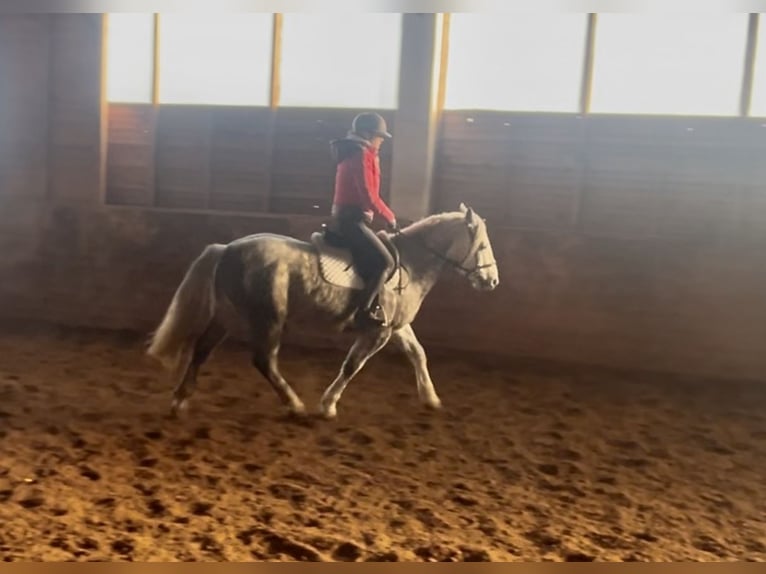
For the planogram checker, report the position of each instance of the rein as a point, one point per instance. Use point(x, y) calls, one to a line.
point(459, 266)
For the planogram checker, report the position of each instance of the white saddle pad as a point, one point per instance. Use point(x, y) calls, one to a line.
point(336, 267)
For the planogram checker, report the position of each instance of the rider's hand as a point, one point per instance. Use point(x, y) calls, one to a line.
point(393, 226)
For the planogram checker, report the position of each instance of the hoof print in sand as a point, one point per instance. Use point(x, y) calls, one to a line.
point(347, 552)
point(389, 556)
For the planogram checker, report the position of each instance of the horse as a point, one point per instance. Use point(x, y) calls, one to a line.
point(265, 281)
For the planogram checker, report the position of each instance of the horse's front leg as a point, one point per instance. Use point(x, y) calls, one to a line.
point(363, 348)
point(405, 338)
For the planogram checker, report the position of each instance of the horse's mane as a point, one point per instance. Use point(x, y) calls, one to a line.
point(430, 222)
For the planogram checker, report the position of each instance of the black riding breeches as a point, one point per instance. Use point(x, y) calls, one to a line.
point(372, 259)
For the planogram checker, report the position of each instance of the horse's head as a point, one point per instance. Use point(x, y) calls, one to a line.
point(459, 239)
point(479, 265)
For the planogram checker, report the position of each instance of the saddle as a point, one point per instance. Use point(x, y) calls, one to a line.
point(336, 264)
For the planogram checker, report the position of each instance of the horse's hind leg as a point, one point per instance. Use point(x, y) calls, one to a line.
point(364, 347)
point(209, 340)
point(266, 342)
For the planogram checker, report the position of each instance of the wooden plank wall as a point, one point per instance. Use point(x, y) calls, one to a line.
point(625, 176)
point(519, 170)
point(226, 158)
point(24, 52)
point(74, 107)
point(130, 155)
point(600, 175)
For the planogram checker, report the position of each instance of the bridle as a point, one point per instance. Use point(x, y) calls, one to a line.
point(472, 251)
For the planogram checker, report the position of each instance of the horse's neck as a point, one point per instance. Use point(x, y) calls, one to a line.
point(424, 251)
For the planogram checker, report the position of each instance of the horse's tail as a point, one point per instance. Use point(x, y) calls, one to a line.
point(189, 313)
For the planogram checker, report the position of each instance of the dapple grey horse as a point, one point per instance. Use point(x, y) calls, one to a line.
point(268, 280)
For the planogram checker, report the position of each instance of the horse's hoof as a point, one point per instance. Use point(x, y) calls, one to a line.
point(179, 408)
point(433, 404)
point(297, 410)
point(329, 412)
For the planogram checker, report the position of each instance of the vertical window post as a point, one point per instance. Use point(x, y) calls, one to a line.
point(276, 64)
point(587, 69)
point(156, 62)
point(443, 60)
point(415, 120)
point(585, 95)
point(749, 70)
point(276, 60)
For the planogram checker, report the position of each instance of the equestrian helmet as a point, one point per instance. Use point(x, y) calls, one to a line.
point(370, 122)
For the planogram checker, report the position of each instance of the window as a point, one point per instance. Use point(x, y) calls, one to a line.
point(758, 102)
point(130, 58)
point(340, 60)
point(215, 58)
point(524, 62)
point(689, 64)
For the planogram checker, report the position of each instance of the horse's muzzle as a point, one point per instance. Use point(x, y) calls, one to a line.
point(486, 283)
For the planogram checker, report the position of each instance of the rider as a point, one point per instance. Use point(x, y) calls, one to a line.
point(357, 200)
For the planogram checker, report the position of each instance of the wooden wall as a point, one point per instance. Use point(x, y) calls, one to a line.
point(622, 176)
point(24, 92)
point(226, 158)
point(74, 109)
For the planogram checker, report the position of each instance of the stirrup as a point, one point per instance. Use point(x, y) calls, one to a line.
point(374, 316)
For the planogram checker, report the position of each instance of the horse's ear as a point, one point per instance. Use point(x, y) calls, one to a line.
point(463, 207)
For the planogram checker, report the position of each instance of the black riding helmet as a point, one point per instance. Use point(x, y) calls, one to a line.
point(364, 123)
point(370, 122)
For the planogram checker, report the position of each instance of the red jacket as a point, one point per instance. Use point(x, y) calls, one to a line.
point(357, 179)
